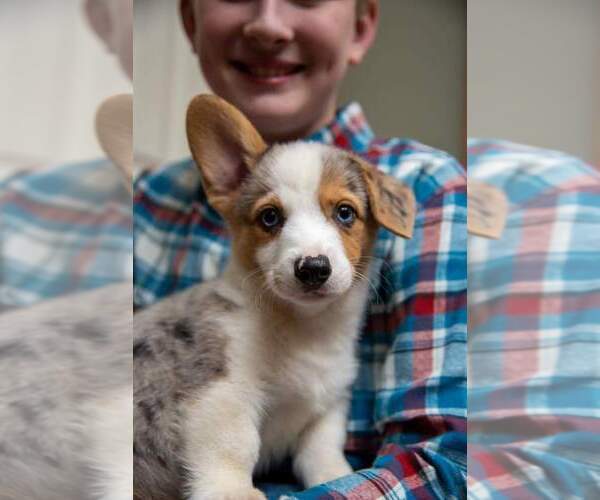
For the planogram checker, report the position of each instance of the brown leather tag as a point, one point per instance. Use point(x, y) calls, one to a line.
point(488, 209)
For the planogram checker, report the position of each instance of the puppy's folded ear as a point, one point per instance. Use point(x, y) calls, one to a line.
point(392, 203)
point(224, 145)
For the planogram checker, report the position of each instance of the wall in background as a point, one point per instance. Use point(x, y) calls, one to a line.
point(54, 75)
point(410, 85)
point(166, 76)
point(534, 73)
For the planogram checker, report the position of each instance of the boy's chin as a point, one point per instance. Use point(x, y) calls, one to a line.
point(279, 117)
point(280, 108)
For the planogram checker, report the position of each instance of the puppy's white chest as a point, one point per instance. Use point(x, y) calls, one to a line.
point(314, 378)
point(303, 382)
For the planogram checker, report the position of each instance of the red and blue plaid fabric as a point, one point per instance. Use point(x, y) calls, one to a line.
point(407, 425)
point(63, 229)
point(534, 329)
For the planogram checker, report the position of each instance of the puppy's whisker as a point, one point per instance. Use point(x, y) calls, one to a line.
point(246, 280)
point(257, 295)
point(366, 279)
point(268, 296)
point(367, 260)
point(255, 283)
point(260, 293)
point(384, 271)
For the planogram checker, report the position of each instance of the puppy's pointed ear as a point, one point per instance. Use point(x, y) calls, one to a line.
point(224, 145)
point(392, 203)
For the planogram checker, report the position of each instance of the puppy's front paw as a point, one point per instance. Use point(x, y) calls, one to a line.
point(316, 471)
point(252, 494)
point(330, 472)
point(230, 494)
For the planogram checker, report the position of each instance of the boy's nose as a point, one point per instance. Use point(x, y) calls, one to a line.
point(268, 28)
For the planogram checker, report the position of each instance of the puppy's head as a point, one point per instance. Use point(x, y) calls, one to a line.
point(303, 215)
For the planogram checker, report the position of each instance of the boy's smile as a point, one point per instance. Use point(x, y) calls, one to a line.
point(279, 61)
point(265, 71)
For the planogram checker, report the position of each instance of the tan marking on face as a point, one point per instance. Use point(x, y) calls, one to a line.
point(248, 233)
point(335, 191)
point(268, 200)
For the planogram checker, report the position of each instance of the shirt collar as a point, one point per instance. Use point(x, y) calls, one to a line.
point(348, 130)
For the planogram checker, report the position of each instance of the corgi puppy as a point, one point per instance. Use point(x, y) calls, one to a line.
point(234, 375)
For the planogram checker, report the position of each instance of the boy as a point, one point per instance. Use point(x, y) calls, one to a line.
point(281, 62)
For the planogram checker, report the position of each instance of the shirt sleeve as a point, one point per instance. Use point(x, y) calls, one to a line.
point(534, 430)
point(419, 383)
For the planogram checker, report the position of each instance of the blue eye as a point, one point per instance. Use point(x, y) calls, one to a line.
point(345, 214)
point(270, 218)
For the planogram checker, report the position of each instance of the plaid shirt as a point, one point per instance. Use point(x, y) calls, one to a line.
point(534, 325)
point(64, 228)
point(407, 424)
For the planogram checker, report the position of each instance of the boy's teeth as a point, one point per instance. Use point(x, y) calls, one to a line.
point(268, 72)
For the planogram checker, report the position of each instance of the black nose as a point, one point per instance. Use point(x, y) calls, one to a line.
point(312, 271)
